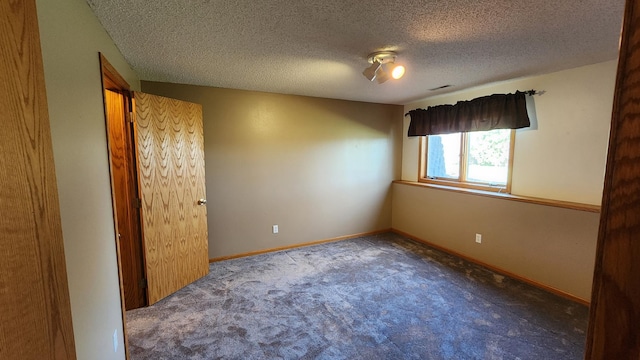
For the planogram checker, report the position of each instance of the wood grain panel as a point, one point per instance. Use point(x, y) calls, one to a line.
point(170, 148)
point(34, 297)
point(124, 193)
point(614, 319)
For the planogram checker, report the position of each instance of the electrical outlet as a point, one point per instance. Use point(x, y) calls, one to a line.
point(115, 340)
point(275, 229)
point(479, 238)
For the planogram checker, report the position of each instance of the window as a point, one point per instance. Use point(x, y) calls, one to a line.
point(478, 160)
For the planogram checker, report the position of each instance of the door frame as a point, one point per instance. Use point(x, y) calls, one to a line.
point(111, 79)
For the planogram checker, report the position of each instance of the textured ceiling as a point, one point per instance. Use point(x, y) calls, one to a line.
point(320, 47)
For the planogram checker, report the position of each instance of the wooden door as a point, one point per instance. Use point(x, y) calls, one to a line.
point(170, 160)
point(123, 180)
point(614, 318)
point(35, 313)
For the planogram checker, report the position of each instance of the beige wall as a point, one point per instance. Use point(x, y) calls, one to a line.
point(552, 246)
point(564, 156)
point(318, 168)
point(71, 39)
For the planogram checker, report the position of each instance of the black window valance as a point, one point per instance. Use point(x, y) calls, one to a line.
point(497, 111)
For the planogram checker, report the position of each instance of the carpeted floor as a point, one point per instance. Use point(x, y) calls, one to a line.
point(375, 297)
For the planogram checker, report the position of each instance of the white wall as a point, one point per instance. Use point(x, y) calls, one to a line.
point(71, 38)
point(563, 158)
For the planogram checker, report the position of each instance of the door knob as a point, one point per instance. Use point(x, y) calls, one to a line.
point(202, 202)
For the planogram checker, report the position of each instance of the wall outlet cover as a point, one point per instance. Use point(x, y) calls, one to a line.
point(479, 238)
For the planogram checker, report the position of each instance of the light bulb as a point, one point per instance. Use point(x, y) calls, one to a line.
point(397, 72)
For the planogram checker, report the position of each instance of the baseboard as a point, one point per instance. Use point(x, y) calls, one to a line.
point(299, 245)
point(496, 269)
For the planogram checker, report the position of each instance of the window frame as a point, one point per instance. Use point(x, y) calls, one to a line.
point(464, 144)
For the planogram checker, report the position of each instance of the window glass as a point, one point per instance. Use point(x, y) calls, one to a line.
point(443, 156)
point(488, 156)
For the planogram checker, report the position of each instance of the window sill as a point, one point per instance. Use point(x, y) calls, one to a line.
point(525, 199)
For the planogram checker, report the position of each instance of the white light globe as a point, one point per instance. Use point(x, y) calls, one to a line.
point(397, 72)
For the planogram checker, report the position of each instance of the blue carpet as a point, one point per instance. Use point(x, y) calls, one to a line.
point(374, 297)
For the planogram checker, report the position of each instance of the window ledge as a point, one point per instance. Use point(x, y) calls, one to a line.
point(525, 199)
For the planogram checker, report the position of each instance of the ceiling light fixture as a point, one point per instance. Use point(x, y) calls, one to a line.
point(378, 61)
point(370, 72)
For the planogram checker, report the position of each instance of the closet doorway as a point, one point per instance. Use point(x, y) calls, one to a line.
point(156, 157)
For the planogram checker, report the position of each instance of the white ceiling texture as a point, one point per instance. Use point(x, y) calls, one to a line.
point(320, 47)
